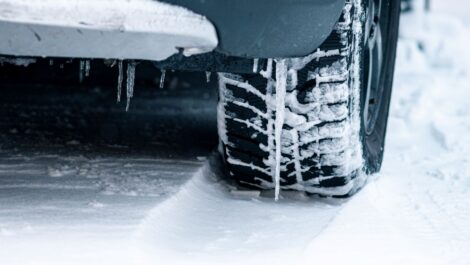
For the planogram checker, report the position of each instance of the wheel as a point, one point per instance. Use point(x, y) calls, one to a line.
point(317, 123)
point(377, 78)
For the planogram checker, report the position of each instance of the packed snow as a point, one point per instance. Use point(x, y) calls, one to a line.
point(77, 209)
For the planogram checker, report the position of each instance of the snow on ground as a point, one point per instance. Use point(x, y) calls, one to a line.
point(78, 173)
point(65, 209)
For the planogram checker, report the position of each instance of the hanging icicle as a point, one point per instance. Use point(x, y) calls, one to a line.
point(81, 71)
point(281, 83)
point(208, 77)
point(120, 78)
point(87, 68)
point(162, 79)
point(130, 82)
point(255, 65)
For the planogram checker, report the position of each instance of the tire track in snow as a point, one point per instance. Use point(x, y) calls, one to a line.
point(207, 224)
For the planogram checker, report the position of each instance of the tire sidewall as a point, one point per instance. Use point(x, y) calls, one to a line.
point(374, 143)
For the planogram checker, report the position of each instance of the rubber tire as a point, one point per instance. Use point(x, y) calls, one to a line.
point(244, 121)
point(374, 144)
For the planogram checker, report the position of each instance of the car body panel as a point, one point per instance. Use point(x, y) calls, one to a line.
point(268, 28)
point(117, 29)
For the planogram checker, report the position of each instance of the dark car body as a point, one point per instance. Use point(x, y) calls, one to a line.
point(268, 28)
point(258, 29)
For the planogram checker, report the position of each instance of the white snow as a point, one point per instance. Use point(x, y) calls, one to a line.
point(416, 211)
point(109, 29)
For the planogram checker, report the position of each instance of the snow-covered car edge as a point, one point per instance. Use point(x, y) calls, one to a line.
point(108, 29)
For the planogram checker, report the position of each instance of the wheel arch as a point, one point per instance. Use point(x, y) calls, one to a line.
point(268, 28)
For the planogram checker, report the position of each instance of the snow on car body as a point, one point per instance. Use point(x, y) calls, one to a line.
point(137, 29)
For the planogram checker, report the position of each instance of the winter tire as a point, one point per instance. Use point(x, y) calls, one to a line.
point(314, 124)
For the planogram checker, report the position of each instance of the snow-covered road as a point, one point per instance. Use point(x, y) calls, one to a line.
point(67, 202)
point(78, 174)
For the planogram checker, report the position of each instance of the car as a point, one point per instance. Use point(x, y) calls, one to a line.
point(304, 85)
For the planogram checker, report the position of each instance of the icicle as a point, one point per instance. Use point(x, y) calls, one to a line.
point(81, 71)
point(51, 62)
point(120, 78)
point(162, 78)
point(255, 65)
point(130, 82)
point(281, 83)
point(87, 68)
point(109, 62)
point(269, 70)
point(208, 77)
